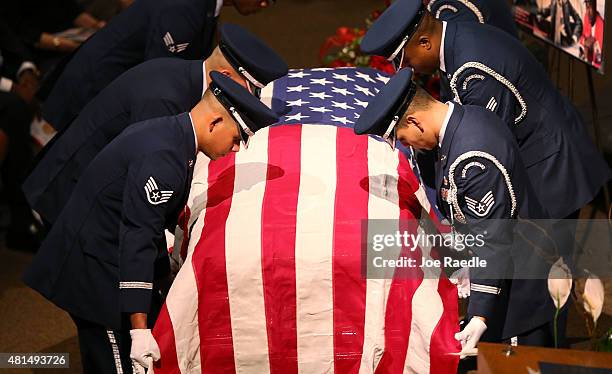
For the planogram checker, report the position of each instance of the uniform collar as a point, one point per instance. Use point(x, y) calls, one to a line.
point(195, 136)
point(447, 46)
point(451, 127)
point(449, 112)
point(218, 7)
point(204, 78)
point(442, 62)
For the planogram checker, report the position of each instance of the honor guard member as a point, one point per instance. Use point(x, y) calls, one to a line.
point(489, 68)
point(479, 177)
point(97, 261)
point(147, 29)
point(155, 88)
point(491, 12)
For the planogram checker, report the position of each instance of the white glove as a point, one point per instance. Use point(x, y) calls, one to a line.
point(470, 336)
point(144, 350)
point(461, 278)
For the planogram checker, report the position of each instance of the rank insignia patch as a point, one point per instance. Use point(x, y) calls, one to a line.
point(154, 195)
point(481, 207)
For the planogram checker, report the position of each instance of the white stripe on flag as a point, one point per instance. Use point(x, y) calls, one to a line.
point(182, 304)
point(427, 309)
point(313, 250)
point(198, 195)
point(243, 259)
point(382, 204)
point(266, 95)
point(182, 299)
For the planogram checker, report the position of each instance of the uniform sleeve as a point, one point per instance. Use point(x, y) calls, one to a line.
point(151, 185)
point(174, 31)
point(484, 197)
point(484, 87)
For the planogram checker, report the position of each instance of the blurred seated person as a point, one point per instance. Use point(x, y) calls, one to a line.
point(36, 22)
point(18, 86)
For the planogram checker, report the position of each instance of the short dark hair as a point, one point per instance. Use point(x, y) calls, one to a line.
point(421, 101)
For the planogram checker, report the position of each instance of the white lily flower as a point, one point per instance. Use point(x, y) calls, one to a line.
point(559, 283)
point(593, 297)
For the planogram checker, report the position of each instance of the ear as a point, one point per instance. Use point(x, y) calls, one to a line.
point(414, 122)
point(215, 119)
point(226, 72)
point(425, 42)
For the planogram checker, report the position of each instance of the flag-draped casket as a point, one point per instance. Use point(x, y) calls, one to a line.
point(272, 276)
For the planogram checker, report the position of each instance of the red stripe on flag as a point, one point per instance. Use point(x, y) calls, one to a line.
point(278, 226)
point(443, 337)
point(398, 313)
point(349, 287)
point(164, 336)
point(216, 345)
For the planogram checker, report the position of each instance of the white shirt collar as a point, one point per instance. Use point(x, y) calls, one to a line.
point(204, 78)
point(195, 136)
point(218, 7)
point(442, 63)
point(451, 106)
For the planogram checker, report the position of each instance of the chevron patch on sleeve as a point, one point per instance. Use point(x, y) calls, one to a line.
point(154, 195)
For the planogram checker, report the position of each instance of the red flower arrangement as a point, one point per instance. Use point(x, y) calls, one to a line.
point(342, 50)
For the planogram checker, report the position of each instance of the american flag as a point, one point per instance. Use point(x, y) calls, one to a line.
point(272, 249)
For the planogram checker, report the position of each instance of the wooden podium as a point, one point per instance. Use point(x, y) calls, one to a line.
point(493, 360)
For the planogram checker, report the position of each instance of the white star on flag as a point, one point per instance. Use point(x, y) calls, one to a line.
point(382, 78)
point(319, 95)
point(297, 102)
point(341, 91)
point(299, 88)
point(365, 77)
point(357, 115)
point(343, 77)
point(364, 90)
point(296, 117)
point(299, 74)
point(361, 103)
point(344, 106)
point(342, 120)
point(322, 81)
point(320, 109)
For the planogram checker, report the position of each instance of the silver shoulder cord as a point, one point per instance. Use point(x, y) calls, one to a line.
point(251, 78)
point(238, 118)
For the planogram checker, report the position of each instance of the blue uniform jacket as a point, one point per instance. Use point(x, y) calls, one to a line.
point(491, 12)
point(156, 88)
point(97, 261)
point(480, 177)
point(147, 29)
point(489, 68)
